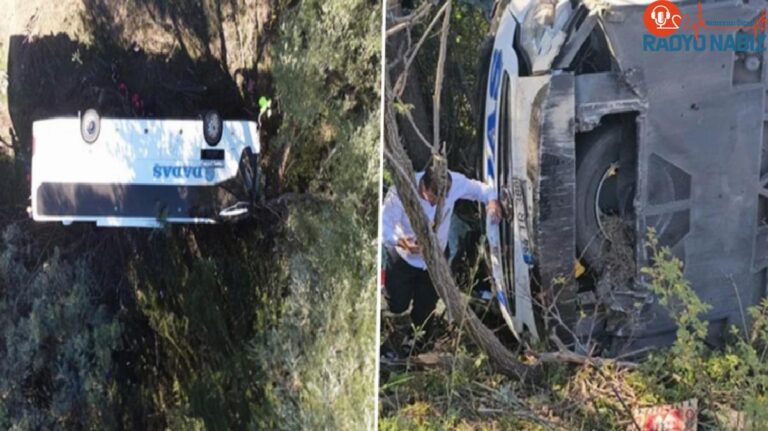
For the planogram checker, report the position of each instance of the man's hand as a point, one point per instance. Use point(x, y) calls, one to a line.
point(409, 244)
point(493, 209)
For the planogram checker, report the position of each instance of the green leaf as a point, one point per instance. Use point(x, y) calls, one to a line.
point(402, 107)
point(264, 104)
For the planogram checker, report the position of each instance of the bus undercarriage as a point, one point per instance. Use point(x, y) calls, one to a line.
point(594, 143)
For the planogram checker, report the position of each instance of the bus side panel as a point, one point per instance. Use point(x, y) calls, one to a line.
point(125, 176)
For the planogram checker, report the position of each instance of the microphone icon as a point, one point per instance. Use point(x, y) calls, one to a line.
point(660, 15)
point(662, 18)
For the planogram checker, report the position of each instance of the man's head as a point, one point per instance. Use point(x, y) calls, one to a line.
point(429, 186)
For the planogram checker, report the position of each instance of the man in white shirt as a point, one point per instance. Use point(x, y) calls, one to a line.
point(406, 277)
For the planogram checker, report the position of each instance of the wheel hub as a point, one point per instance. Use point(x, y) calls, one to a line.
point(606, 197)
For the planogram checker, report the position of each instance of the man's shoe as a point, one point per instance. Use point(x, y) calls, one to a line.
point(387, 353)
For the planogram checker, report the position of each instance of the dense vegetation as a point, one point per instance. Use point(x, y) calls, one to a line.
point(268, 324)
point(729, 383)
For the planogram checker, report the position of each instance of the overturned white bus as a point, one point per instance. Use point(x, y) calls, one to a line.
point(593, 137)
point(143, 172)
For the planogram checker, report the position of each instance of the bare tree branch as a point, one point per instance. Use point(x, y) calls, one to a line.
point(422, 138)
point(403, 78)
point(401, 23)
point(440, 74)
point(442, 170)
point(457, 309)
point(564, 355)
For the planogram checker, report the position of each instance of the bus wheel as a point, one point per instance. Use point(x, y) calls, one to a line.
point(212, 127)
point(599, 192)
point(90, 126)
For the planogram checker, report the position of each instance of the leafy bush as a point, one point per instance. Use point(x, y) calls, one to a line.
point(732, 379)
point(666, 280)
point(319, 354)
point(56, 342)
point(201, 307)
point(328, 83)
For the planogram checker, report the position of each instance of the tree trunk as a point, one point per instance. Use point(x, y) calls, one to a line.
point(419, 154)
point(457, 309)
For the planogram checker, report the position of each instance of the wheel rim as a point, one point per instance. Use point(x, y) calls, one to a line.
point(89, 126)
point(610, 201)
point(213, 127)
point(606, 197)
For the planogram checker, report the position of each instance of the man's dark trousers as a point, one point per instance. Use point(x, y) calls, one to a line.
point(405, 283)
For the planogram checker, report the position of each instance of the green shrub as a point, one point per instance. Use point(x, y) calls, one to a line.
point(666, 280)
point(56, 342)
point(319, 355)
point(734, 378)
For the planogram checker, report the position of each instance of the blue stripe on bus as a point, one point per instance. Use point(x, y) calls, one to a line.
point(494, 81)
point(502, 299)
point(490, 169)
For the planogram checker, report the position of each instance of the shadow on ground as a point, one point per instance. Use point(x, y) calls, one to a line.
point(56, 76)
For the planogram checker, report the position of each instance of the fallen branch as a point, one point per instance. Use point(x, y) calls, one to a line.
point(567, 356)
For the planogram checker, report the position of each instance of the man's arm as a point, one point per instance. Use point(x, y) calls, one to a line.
point(472, 189)
point(391, 218)
point(477, 191)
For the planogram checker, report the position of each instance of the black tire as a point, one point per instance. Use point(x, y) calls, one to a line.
point(213, 127)
point(90, 126)
point(251, 175)
point(256, 192)
point(601, 151)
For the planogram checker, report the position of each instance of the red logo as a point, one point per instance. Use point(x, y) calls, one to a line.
point(662, 18)
point(668, 421)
